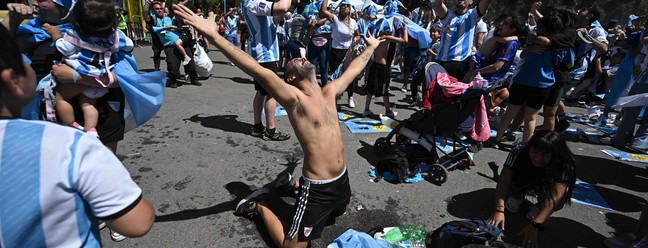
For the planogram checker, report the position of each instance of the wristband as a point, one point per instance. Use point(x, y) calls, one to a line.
point(499, 211)
point(75, 76)
point(537, 225)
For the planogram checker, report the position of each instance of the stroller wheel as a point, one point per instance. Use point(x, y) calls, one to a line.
point(381, 145)
point(402, 140)
point(438, 174)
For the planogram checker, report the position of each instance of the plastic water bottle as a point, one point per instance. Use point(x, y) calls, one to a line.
point(478, 82)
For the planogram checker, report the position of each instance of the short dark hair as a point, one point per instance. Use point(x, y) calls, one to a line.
point(10, 57)
point(94, 18)
point(595, 10)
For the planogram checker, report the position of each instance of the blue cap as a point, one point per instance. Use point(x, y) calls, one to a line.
point(370, 10)
point(309, 11)
point(67, 4)
point(391, 7)
point(383, 26)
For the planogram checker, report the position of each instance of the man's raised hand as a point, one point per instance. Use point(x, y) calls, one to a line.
point(204, 26)
point(372, 41)
point(20, 11)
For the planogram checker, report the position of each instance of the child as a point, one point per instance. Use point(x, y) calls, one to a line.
point(392, 31)
point(419, 71)
point(169, 35)
point(88, 48)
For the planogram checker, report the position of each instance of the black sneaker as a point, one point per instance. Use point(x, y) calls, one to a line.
point(173, 85)
point(561, 126)
point(273, 134)
point(196, 83)
point(247, 206)
point(475, 148)
point(509, 136)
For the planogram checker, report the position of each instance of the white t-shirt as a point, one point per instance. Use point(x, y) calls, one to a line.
point(341, 33)
point(480, 28)
point(54, 178)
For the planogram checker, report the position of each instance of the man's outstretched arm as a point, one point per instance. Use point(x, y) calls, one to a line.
point(268, 79)
point(356, 66)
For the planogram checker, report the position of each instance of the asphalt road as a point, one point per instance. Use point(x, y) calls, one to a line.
point(196, 159)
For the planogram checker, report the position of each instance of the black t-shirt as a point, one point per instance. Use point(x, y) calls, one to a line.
point(43, 55)
point(526, 175)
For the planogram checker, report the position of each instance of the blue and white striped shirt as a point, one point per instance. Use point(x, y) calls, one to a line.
point(231, 24)
point(264, 46)
point(53, 180)
point(457, 35)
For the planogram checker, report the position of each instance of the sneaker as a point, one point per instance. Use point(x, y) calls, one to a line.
point(247, 206)
point(174, 85)
point(475, 148)
point(391, 114)
point(513, 204)
point(273, 134)
point(196, 83)
point(561, 126)
point(102, 225)
point(257, 132)
point(351, 103)
point(186, 60)
point(285, 180)
point(461, 136)
point(367, 113)
point(77, 126)
point(116, 236)
point(509, 136)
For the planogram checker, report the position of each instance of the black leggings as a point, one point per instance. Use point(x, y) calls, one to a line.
point(335, 59)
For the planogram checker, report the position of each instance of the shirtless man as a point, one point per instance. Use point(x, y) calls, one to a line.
point(379, 76)
point(325, 190)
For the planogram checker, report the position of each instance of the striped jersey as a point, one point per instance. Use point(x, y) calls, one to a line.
point(457, 35)
point(88, 62)
point(263, 46)
point(231, 24)
point(54, 180)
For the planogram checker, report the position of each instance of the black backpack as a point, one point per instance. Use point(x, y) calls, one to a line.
point(462, 232)
point(397, 164)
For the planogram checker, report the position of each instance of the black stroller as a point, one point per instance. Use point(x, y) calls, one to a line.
point(426, 126)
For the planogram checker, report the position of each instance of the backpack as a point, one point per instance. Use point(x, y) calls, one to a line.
point(463, 232)
point(397, 164)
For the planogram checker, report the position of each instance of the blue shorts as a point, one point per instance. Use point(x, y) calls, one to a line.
point(232, 38)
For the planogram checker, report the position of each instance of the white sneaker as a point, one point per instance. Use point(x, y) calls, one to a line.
point(513, 204)
point(351, 103)
point(116, 236)
point(186, 60)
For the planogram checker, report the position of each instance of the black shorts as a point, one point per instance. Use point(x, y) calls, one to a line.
point(111, 116)
point(378, 80)
point(320, 202)
point(270, 66)
point(532, 97)
point(556, 91)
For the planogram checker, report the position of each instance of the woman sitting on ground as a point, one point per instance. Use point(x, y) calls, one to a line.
point(545, 167)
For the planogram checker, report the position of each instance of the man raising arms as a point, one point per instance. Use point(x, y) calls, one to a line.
point(325, 190)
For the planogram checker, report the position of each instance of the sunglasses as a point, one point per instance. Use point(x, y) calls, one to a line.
point(346, 5)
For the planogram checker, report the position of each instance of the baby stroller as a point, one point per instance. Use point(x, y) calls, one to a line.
point(439, 120)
